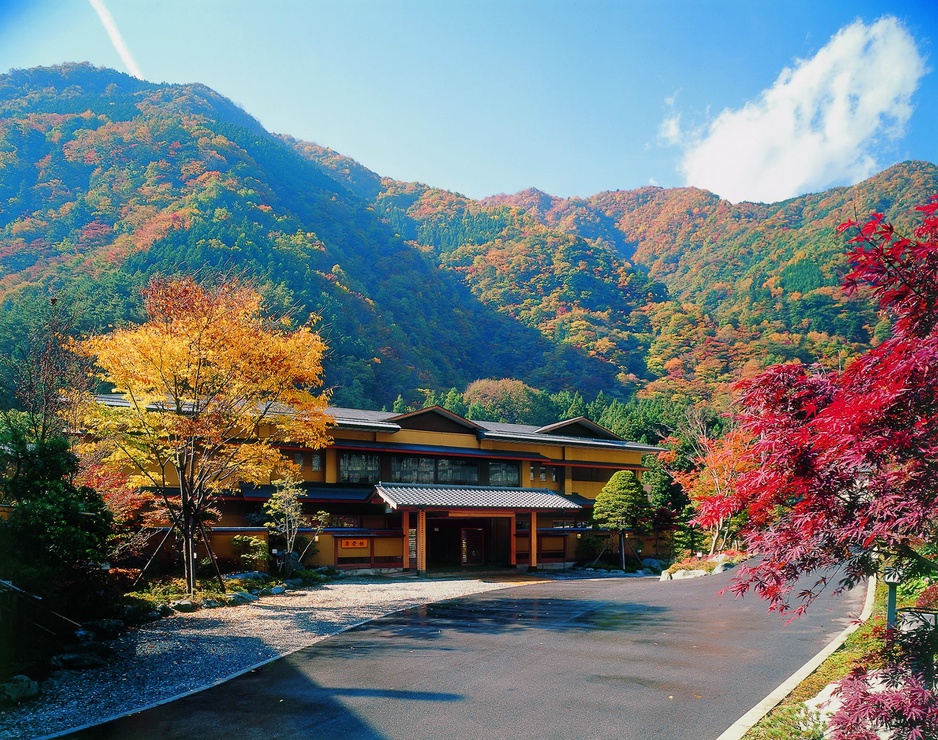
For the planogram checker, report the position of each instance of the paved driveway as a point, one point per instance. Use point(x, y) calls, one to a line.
point(604, 658)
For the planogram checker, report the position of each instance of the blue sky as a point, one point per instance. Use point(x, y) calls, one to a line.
point(753, 100)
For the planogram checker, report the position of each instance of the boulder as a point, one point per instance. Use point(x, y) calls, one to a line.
point(18, 688)
point(277, 590)
point(183, 605)
point(293, 582)
point(722, 567)
point(138, 614)
point(105, 629)
point(83, 635)
point(678, 575)
point(77, 661)
point(665, 576)
point(653, 564)
point(239, 597)
point(165, 610)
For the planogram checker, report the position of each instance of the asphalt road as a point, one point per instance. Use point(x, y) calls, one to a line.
point(604, 658)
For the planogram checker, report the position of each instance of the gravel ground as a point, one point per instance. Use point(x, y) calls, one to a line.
point(187, 652)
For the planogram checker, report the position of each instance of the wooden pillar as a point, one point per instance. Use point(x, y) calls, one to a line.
point(512, 542)
point(405, 525)
point(532, 547)
point(421, 542)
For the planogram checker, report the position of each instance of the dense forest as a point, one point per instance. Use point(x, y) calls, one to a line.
point(658, 294)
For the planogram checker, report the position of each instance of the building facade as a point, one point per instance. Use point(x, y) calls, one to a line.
point(431, 490)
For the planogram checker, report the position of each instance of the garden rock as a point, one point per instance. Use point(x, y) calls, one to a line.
point(165, 610)
point(665, 576)
point(78, 661)
point(688, 574)
point(105, 629)
point(239, 597)
point(138, 614)
point(722, 567)
point(18, 688)
point(276, 590)
point(183, 605)
point(653, 564)
point(83, 635)
point(293, 582)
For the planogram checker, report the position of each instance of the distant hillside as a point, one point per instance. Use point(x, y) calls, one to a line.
point(105, 179)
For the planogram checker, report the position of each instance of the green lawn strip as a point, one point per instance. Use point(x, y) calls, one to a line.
point(784, 722)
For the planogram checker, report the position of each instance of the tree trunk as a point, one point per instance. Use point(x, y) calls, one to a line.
point(622, 548)
point(211, 555)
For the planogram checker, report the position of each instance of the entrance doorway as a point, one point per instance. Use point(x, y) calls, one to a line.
point(473, 544)
point(467, 542)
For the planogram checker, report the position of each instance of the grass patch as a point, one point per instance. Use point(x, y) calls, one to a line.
point(785, 722)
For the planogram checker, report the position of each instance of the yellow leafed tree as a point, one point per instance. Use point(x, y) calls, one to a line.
point(210, 387)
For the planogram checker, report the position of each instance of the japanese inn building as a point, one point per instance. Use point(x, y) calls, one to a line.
point(431, 490)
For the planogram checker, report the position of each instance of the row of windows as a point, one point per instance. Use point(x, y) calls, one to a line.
point(367, 468)
point(363, 468)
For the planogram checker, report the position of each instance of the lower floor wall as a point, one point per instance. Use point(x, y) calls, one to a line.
point(449, 542)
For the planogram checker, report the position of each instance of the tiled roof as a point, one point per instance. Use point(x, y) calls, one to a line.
point(439, 450)
point(386, 421)
point(530, 434)
point(471, 497)
point(363, 419)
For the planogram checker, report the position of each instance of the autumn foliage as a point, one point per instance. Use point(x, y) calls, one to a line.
point(845, 464)
point(209, 387)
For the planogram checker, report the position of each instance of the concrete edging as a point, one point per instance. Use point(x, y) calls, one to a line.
point(745, 723)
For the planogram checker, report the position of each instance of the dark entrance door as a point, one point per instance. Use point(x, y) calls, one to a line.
point(468, 542)
point(473, 546)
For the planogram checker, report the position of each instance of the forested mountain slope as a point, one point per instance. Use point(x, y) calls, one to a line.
point(747, 284)
point(105, 179)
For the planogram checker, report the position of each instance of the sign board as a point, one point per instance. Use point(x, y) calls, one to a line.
point(347, 544)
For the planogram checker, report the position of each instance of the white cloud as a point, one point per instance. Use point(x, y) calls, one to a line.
point(670, 131)
point(821, 123)
point(114, 34)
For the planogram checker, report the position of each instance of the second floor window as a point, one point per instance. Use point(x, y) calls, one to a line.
point(407, 469)
point(413, 469)
point(504, 474)
point(357, 468)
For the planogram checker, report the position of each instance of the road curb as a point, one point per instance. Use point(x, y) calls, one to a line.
point(745, 723)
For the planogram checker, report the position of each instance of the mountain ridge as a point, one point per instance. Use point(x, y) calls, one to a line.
point(105, 180)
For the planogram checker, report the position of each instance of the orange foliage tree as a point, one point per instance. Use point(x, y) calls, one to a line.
point(210, 387)
point(710, 485)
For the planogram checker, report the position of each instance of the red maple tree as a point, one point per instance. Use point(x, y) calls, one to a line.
point(845, 465)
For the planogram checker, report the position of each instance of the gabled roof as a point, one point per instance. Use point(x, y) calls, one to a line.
point(432, 417)
point(536, 435)
point(579, 427)
point(580, 432)
point(425, 495)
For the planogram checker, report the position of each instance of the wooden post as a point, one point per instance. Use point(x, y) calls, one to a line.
point(421, 543)
point(405, 540)
point(512, 542)
point(532, 547)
